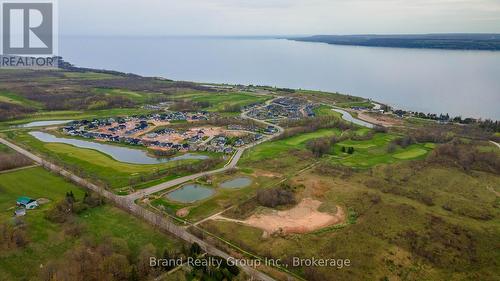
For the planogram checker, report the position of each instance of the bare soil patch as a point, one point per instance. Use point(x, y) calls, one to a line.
point(302, 218)
point(264, 173)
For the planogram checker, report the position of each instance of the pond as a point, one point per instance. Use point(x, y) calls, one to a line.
point(43, 123)
point(119, 153)
point(190, 193)
point(238, 182)
point(348, 117)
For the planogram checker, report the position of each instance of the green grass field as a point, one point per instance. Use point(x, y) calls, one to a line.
point(218, 101)
point(324, 110)
point(373, 152)
point(9, 97)
point(47, 239)
point(272, 149)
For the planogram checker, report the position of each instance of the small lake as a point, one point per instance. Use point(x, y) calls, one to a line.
point(43, 123)
point(239, 182)
point(348, 117)
point(190, 193)
point(119, 153)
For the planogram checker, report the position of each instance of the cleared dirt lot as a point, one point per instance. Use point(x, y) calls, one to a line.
point(302, 218)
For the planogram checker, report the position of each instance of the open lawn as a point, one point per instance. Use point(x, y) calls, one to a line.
point(410, 154)
point(324, 110)
point(47, 239)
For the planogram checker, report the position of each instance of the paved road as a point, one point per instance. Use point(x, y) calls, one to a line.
point(147, 191)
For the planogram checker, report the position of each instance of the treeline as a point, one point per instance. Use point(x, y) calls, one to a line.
point(466, 157)
point(486, 124)
point(13, 160)
point(162, 153)
point(111, 259)
point(11, 111)
point(274, 197)
point(13, 236)
point(433, 134)
point(74, 99)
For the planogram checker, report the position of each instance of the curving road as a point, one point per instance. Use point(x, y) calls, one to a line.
point(230, 165)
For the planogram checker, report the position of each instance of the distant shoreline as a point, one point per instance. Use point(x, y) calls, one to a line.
point(476, 41)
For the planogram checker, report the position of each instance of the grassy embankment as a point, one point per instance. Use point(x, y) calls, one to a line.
point(47, 240)
point(96, 165)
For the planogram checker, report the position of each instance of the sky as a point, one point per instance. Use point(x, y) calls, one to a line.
point(276, 17)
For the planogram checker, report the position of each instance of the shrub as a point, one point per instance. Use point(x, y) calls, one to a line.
point(12, 160)
point(275, 197)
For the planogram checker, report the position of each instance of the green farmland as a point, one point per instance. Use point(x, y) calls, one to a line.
point(47, 240)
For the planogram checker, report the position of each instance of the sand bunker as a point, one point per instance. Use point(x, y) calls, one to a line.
point(302, 218)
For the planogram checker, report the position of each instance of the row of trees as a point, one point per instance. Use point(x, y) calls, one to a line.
point(274, 197)
point(12, 160)
point(13, 236)
point(64, 210)
point(12, 111)
point(113, 260)
point(466, 157)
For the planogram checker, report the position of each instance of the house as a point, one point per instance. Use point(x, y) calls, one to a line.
point(27, 203)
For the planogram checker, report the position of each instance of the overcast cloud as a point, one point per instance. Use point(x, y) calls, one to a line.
point(276, 17)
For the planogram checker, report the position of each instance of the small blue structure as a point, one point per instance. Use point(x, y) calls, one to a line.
point(27, 202)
